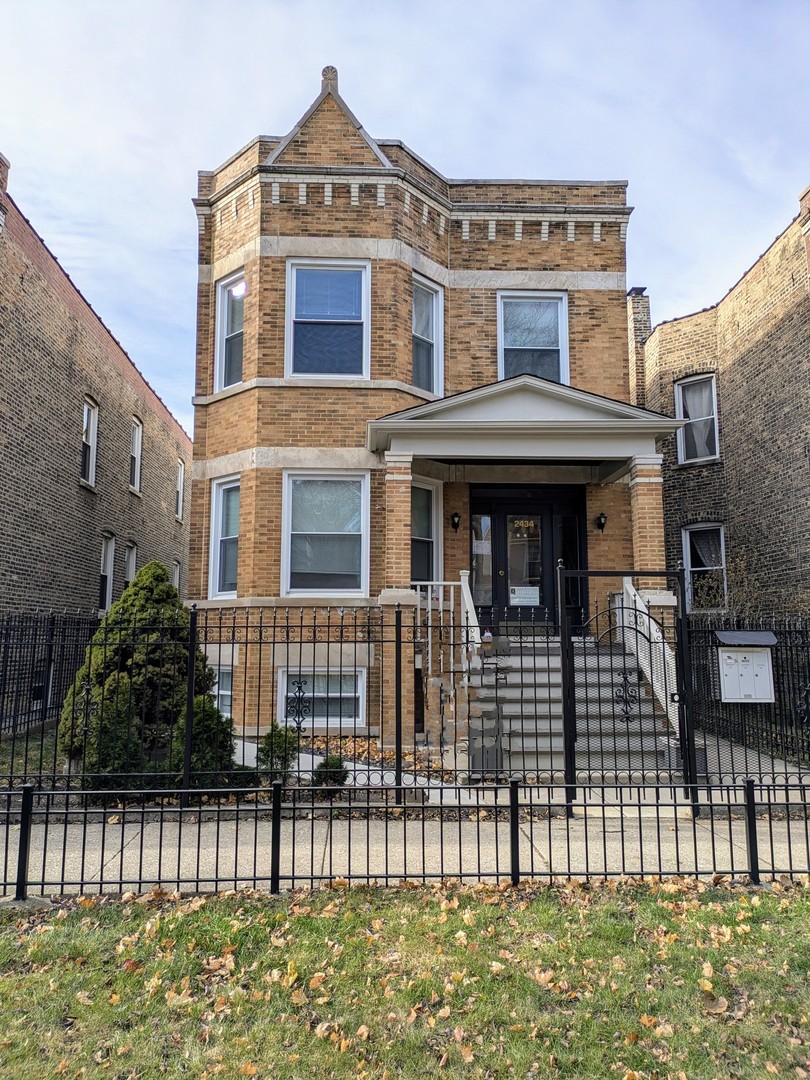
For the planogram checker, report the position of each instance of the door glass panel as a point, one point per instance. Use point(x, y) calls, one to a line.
point(525, 565)
point(481, 575)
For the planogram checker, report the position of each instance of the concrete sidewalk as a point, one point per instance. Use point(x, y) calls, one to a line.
point(197, 852)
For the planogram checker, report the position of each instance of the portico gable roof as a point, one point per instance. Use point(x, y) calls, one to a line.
point(524, 417)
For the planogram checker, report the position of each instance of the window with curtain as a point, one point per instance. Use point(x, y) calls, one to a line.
point(696, 403)
point(705, 562)
point(326, 552)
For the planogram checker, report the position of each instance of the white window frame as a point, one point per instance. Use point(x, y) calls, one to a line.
point(681, 439)
point(293, 265)
point(286, 524)
point(130, 562)
point(177, 570)
point(135, 455)
point(350, 726)
point(90, 429)
point(220, 323)
point(218, 487)
point(438, 332)
point(436, 488)
point(686, 532)
point(108, 569)
point(561, 298)
point(179, 490)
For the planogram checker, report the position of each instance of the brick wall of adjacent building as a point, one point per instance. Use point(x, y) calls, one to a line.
point(55, 352)
point(756, 341)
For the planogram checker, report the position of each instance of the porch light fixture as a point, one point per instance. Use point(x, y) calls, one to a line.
point(455, 520)
point(601, 521)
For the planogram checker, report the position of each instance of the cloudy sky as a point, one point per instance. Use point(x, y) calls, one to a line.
point(109, 109)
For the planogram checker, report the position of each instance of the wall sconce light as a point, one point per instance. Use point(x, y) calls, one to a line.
point(601, 522)
point(455, 520)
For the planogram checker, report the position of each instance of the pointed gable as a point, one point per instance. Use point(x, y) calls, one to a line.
point(328, 134)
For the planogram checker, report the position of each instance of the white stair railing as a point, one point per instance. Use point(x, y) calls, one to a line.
point(643, 636)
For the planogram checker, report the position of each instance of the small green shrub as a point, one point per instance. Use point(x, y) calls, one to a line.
point(331, 772)
point(277, 752)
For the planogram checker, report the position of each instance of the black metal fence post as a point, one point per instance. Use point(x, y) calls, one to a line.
point(190, 677)
point(514, 831)
point(398, 704)
point(275, 839)
point(751, 831)
point(23, 851)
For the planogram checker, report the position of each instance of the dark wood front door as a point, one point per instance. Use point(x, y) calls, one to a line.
point(518, 535)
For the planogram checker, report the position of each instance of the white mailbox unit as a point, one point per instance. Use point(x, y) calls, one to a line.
point(745, 665)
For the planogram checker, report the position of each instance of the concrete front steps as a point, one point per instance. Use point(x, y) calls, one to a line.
point(516, 715)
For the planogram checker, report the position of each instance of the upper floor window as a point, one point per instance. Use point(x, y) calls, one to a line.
point(105, 581)
point(427, 336)
point(704, 558)
point(696, 403)
point(327, 319)
point(135, 451)
point(179, 491)
point(326, 534)
point(229, 330)
point(224, 563)
point(130, 563)
point(89, 441)
point(533, 335)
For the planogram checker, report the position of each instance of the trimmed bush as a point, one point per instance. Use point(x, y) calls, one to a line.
point(126, 711)
point(278, 751)
point(331, 772)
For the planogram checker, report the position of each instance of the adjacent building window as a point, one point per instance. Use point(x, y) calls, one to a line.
point(326, 531)
point(176, 569)
point(105, 581)
point(533, 335)
point(135, 452)
point(89, 441)
point(704, 557)
point(224, 538)
point(427, 335)
point(130, 563)
point(424, 547)
point(323, 698)
point(230, 330)
point(327, 319)
point(179, 491)
point(696, 403)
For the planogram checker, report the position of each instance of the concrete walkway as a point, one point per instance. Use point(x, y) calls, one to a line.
point(228, 849)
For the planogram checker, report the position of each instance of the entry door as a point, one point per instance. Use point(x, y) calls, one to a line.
point(517, 538)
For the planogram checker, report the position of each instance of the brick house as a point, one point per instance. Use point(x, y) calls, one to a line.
point(737, 476)
point(94, 466)
point(402, 378)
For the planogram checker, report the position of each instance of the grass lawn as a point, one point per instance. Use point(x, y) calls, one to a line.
point(673, 979)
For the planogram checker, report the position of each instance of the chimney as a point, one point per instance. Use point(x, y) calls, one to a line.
point(639, 328)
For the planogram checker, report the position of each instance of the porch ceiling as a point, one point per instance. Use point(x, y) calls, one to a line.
point(522, 419)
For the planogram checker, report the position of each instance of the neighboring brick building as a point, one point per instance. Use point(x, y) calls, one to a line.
point(94, 467)
point(737, 477)
point(401, 377)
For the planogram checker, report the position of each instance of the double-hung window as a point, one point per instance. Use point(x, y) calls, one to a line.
point(179, 490)
point(533, 335)
point(425, 514)
point(135, 454)
point(704, 557)
point(89, 441)
point(230, 319)
point(105, 581)
point(696, 403)
point(224, 538)
point(326, 534)
point(427, 335)
point(327, 319)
